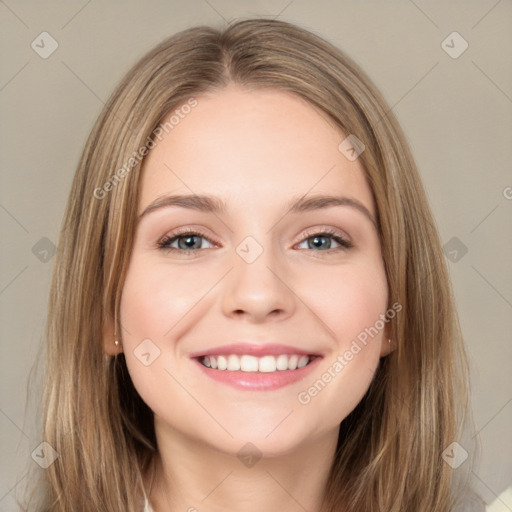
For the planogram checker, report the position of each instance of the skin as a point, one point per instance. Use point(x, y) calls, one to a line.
point(255, 149)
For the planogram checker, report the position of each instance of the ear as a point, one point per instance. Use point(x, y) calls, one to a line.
point(110, 348)
point(387, 345)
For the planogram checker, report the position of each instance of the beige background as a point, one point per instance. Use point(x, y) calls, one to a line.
point(456, 114)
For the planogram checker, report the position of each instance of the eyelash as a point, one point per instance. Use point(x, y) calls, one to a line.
point(328, 233)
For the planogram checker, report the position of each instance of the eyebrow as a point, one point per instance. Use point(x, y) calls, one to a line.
point(213, 204)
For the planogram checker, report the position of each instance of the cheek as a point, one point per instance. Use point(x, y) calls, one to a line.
point(155, 299)
point(350, 304)
point(349, 299)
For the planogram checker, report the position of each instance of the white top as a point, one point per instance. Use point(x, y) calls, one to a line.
point(147, 506)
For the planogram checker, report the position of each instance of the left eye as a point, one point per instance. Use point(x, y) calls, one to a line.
point(324, 240)
point(192, 241)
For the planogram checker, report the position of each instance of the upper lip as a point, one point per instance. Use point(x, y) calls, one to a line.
point(258, 350)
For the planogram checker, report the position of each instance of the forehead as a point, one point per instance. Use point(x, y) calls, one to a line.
point(254, 148)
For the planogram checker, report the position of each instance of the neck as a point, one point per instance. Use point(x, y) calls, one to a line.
point(194, 477)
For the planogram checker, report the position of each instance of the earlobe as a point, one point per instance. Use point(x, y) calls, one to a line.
point(112, 345)
point(387, 345)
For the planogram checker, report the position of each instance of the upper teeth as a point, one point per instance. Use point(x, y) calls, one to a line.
point(248, 363)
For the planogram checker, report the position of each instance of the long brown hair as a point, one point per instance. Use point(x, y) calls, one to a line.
point(389, 449)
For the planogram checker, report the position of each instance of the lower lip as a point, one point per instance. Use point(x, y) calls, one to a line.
point(259, 381)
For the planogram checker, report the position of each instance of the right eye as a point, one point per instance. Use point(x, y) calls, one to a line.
point(187, 242)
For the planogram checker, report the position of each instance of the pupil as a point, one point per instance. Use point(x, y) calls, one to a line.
point(188, 243)
point(316, 239)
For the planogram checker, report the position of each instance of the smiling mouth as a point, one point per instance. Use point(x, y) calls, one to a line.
point(253, 364)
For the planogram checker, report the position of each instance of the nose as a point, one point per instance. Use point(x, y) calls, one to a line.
point(259, 291)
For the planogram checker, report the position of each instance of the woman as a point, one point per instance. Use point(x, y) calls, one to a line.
point(250, 308)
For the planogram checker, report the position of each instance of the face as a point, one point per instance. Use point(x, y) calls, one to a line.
point(258, 286)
